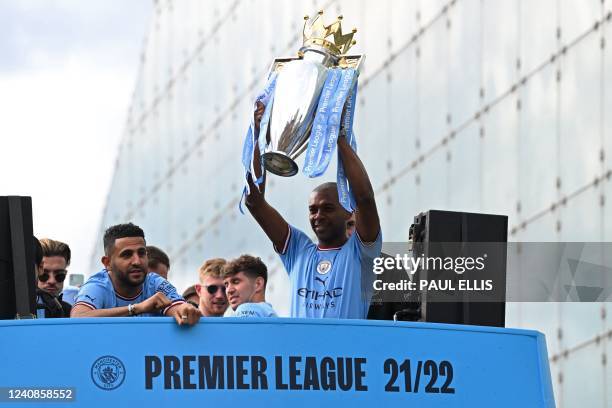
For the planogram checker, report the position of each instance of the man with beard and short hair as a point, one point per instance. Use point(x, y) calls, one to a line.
point(125, 288)
point(334, 277)
point(245, 280)
point(213, 301)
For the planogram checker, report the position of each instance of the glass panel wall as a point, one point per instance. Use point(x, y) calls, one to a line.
point(467, 105)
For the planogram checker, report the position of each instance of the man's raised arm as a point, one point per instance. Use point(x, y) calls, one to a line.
point(273, 224)
point(366, 215)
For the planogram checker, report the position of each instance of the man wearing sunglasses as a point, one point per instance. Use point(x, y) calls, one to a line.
point(125, 288)
point(47, 305)
point(213, 301)
point(56, 258)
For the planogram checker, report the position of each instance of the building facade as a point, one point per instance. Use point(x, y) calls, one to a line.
point(466, 105)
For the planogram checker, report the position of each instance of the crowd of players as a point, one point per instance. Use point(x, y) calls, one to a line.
point(329, 279)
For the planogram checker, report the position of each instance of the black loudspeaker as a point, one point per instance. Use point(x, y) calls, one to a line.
point(434, 227)
point(17, 259)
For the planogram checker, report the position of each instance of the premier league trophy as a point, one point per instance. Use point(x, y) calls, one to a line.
point(315, 88)
point(309, 101)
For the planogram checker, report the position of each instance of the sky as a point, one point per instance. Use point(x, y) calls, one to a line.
point(68, 69)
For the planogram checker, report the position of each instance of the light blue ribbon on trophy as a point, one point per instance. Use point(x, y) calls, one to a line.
point(339, 84)
point(344, 195)
point(333, 122)
point(248, 148)
point(319, 124)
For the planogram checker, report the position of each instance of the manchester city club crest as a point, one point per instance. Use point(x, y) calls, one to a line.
point(108, 373)
point(324, 267)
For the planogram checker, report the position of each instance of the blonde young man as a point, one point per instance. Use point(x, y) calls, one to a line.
point(213, 301)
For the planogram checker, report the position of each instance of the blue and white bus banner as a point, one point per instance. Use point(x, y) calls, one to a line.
point(273, 362)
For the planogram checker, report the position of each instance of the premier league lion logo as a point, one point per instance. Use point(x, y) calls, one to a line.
point(108, 373)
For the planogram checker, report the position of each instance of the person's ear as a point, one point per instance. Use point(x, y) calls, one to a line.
point(198, 288)
point(106, 262)
point(259, 284)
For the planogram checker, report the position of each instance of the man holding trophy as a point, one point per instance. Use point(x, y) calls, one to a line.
point(314, 96)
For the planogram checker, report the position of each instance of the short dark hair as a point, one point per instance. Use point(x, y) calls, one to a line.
point(251, 266)
point(190, 291)
point(51, 247)
point(115, 232)
point(328, 186)
point(157, 256)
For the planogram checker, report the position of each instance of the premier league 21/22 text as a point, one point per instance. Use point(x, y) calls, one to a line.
point(296, 373)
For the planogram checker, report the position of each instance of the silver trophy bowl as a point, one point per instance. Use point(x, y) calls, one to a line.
point(298, 88)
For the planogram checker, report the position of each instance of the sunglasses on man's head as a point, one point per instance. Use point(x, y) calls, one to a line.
point(212, 289)
point(60, 276)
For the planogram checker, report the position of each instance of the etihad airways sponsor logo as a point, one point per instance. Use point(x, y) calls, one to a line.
point(325, 294)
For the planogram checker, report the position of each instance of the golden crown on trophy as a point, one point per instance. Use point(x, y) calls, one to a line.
point(317, 33)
